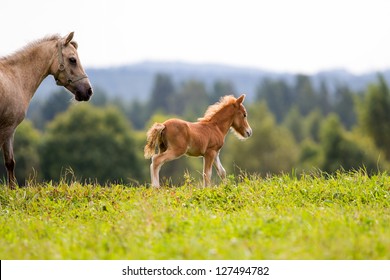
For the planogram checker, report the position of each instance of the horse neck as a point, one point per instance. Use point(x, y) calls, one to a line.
point(32, 66)
point(223, 119)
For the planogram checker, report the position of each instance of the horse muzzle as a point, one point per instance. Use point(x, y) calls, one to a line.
point(248, 132)
point(83, 95)
point(82, 90)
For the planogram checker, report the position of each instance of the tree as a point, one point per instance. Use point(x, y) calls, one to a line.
point(332, 141)
point(312, 124)
point(137, 114)
point(162, 92)
point(100, 98)
point(324, 101)
point(342, 150)
point(57, 102)
point(345, 106)
point(374, 114)
point(310, 157)
point(294, 122)
point(94, 143)
point(306, 98)
point(277, 94)
point(191, 100)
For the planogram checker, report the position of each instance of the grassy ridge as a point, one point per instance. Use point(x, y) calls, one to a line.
point(282, 217)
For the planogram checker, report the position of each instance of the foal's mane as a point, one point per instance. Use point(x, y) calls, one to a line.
point(215, 108)
point(29, 46)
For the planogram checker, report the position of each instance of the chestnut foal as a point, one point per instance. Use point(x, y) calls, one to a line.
point(205, 138)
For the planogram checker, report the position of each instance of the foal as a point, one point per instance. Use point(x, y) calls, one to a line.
point(205, 138)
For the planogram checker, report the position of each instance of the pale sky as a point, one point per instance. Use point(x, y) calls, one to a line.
point(276, 35)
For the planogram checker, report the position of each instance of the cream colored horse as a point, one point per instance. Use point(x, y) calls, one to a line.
point(21, 74)
point(175, 138)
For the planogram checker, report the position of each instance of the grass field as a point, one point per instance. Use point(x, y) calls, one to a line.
point(346, 216)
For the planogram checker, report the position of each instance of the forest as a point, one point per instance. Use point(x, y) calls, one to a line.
point(297, 128)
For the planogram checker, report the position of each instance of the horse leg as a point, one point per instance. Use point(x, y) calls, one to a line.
point(208, 160)
point(154, 171)
point(158, 161)
point(9, 161)
point(218, 166)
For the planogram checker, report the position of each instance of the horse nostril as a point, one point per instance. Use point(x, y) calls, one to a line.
point(249, 133)
point(89, 92)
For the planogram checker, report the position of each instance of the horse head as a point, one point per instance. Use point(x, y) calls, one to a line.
point(240, 121)
point(68, 71)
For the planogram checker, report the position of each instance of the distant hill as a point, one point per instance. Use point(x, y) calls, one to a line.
point(135, 81)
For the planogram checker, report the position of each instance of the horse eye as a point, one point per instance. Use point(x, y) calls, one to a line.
point(73, 61)
point(244, 115)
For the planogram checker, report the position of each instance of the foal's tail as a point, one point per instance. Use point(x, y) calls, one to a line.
point(153, 139)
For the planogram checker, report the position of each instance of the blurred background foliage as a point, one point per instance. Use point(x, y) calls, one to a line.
point(296, 128)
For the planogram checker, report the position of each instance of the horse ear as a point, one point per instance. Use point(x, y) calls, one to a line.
point(240, 99)
point(69, 38)
point(75, 45)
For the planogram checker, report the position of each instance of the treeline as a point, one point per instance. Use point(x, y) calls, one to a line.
point(296, 128)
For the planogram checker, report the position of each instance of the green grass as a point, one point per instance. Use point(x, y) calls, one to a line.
point(346, 216)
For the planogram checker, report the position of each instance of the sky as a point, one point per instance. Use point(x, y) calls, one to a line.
point(276, 35)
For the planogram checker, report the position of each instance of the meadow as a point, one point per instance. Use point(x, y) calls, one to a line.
point(344, 216)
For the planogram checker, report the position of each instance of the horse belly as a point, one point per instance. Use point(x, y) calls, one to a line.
point(194, 151)
point(11, 117)
point(197, 146)
point(9, 120)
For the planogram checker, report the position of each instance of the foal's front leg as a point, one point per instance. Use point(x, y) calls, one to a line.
point(208, 160)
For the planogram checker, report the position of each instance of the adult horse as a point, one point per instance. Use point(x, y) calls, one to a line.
point(21, 74)
point(176, 137)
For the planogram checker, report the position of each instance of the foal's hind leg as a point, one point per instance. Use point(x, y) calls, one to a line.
point(218, 165)
point(157, 161)
point(9, 161)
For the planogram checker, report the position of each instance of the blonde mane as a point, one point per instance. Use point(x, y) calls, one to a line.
point(29, 46)
point(215, 108)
